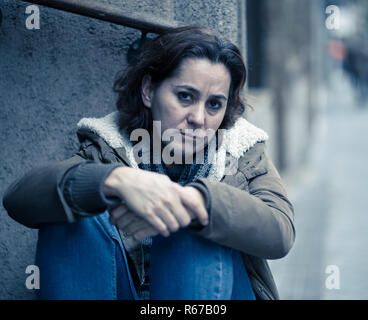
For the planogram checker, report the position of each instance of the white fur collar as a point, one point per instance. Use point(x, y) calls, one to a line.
point(237, 140)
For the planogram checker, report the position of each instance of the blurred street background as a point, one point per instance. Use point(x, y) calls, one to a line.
point(329, 196)
point(307, 84)
point(318, 91)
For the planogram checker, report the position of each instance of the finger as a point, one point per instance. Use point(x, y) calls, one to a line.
point(168, 218)
point(127, 219)
point(144, 233)
point(117, 213)
point(135, 226)
point(157, 223)
point(174, 204)
point(197, 207)
point(181, 214)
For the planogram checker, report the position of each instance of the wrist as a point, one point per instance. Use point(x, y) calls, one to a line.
point(114, 183)
point(197, 194)
point(201, 187)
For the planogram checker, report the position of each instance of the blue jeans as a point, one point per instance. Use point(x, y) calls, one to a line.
point(87, 260)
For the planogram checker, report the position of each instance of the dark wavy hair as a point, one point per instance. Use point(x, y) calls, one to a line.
point(161, 57)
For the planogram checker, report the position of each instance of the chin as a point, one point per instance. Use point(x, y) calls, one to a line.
point(180, 153)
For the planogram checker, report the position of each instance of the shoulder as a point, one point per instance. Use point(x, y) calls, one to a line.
point(254, 162)
point(246, 144)
point(240, 138)
point(101, 139)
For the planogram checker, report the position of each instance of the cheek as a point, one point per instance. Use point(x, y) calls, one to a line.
point(165, 109)
point(215, 121)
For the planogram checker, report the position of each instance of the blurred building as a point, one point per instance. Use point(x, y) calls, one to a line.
point(286, 64)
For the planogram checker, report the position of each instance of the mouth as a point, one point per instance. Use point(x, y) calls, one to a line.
point(188, 136)
point(192, 136)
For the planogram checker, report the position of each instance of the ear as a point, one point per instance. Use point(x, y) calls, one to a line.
point(147, 90)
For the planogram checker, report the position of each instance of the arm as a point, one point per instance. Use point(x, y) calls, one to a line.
point(152, 197)
point(258, 222)
point(36, 197)
point(43, 194)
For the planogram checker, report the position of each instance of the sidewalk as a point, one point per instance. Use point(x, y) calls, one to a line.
point(331, 214)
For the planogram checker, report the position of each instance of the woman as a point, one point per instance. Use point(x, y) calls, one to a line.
point(120, 220)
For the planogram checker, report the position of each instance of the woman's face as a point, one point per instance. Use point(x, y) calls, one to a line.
point(195, 98)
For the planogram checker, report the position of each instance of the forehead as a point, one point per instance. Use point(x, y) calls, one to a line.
point(202, 74)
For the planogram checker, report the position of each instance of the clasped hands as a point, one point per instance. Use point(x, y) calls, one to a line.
point(151, 203)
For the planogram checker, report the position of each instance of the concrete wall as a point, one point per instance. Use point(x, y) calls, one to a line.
point(52, 77)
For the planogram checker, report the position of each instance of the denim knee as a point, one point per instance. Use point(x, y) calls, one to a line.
point(186, 266)
point(80, 261)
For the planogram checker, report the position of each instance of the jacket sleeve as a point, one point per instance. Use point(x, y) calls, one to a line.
point(60, 191)
point(82, 188)
point(36, 197)
point(259, 221)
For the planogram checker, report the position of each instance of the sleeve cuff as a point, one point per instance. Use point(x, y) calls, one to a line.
point(83, 188)
point(201, 187)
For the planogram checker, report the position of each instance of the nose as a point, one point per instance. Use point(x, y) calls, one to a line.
point(196, 116)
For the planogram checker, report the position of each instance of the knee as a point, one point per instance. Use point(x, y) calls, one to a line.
point(58, 241)
point(195, 268)
point(187, 246)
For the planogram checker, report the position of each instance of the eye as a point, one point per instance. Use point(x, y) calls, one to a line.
point(214, 104)
point(185, 96)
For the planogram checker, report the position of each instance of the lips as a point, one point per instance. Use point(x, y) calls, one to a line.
point(189, 136)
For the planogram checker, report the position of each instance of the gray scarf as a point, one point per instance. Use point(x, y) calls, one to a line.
point(186, 173)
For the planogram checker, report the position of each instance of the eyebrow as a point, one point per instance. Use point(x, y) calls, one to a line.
point(195, 91)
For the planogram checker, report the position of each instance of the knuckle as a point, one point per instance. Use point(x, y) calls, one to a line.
point(155, 205)
point(171, 203)
point(167, 201)
point(178, 190)
point(174, 186)
point(149, 212)
point(166, 178)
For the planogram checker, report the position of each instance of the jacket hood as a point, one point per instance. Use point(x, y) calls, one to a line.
point(236, 141)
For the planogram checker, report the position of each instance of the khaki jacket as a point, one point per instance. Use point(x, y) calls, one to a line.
point(250, 210)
